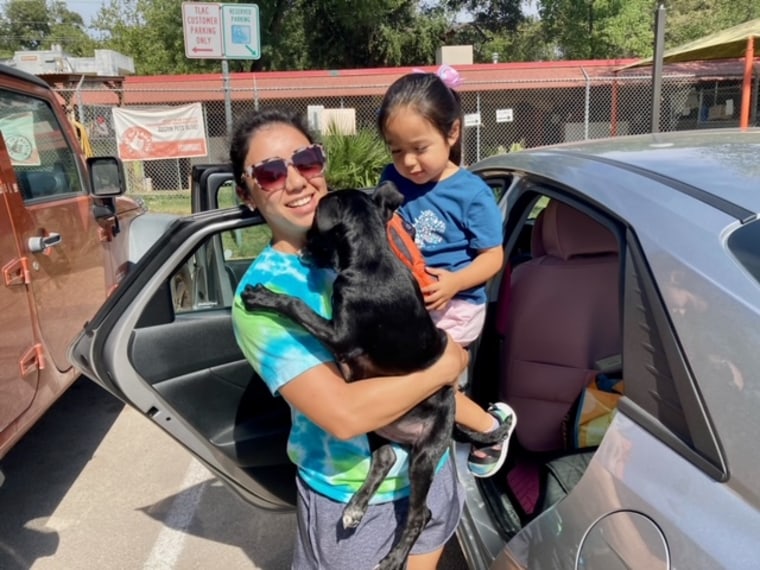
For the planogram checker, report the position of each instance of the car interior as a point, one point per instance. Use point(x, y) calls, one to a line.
point(552, 348)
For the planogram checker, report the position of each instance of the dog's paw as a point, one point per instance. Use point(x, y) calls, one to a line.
point(352, 516)
point(256, 297)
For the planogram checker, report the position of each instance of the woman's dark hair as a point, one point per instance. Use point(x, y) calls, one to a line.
point(429, 96)
point(241, 138)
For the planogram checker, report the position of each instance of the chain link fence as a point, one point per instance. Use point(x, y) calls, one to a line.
point(507, 115)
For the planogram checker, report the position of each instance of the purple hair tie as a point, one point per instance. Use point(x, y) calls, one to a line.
point(445, 73)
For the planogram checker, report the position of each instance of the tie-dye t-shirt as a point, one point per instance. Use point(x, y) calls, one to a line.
point(279, 351)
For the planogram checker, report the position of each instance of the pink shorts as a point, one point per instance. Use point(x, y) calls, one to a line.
point(461, 319)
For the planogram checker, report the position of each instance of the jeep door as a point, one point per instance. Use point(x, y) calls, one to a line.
point(62, 245)
point(170, 351)
point(19, 377)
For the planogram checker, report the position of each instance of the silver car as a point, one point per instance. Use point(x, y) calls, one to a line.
point(624, 330)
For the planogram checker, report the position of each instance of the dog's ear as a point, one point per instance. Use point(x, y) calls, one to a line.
point(328, 214)
point(387, 198)
point(319, 239)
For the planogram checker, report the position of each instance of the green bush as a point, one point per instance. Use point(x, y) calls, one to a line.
point(354, 160)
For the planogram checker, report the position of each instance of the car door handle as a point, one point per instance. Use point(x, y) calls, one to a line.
point(41, 243)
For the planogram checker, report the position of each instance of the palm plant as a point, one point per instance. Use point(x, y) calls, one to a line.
point(354, 160)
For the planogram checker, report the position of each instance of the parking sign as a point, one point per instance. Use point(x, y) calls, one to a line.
point(202, 26)
point(240, 24)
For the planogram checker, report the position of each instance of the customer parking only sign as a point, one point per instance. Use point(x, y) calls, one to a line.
point(221, 31)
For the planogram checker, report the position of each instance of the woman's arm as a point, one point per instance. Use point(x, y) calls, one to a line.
point(348, 409)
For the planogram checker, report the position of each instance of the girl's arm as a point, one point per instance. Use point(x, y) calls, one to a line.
point(485, 265)
point(349, 409)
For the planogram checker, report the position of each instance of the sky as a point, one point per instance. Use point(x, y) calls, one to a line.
point(88, 9)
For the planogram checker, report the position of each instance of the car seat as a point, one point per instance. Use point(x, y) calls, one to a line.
point(563, 317)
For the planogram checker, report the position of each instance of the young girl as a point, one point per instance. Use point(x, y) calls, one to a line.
point(457, 223)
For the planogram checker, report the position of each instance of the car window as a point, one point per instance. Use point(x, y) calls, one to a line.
point(42, 159)
point(208, 279)
point(744, 244)
point(667, 401)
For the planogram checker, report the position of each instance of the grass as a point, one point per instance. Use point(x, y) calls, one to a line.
point(245, 243)
point(175, 202)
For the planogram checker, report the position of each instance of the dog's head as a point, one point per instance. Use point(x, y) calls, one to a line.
point(348, 221)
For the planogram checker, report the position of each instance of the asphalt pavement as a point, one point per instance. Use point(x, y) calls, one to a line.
point(96, 486)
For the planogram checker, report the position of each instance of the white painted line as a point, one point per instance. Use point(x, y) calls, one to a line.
point(171, 539)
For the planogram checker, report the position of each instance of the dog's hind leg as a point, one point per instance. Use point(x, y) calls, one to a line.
point(383, 458)
point(424, 458)
point(422, 466)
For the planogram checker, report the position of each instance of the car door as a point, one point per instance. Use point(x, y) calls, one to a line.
point(177, 362)
point(19, 377)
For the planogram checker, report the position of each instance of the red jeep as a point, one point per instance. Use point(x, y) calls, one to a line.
point(64, 226)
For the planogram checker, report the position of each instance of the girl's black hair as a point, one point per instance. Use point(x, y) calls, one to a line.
point(241, 138)
point(428, 95)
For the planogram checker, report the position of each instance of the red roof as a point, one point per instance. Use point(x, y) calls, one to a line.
point(163, 89)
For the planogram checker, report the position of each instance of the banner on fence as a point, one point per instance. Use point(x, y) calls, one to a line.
point(18, 132)
point(158, 133)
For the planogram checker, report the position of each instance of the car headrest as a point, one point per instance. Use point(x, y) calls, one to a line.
point(564, 232)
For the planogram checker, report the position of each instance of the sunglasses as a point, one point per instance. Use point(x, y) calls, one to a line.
point(272, 173)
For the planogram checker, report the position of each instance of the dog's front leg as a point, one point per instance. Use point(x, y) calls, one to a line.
point(381, 461)
point(259, 297)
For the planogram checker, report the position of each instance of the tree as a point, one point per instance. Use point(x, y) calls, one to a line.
point(149, 31)
point(688, 20)
point(295, 34)
point(493, 15)
point(598, 29)
point(67, 29)
point(344, 33)
point(25, 24)
point(37, 24)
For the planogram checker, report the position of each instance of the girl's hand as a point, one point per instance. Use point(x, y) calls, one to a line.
point(440, 293)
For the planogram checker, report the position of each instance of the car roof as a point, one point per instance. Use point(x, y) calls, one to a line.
point(721, 162)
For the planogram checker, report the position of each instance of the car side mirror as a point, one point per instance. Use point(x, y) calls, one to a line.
point(106, 176)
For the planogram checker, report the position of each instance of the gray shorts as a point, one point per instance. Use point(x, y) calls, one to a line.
point(323, 543)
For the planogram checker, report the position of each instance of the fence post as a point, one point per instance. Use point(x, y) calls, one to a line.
point(587, 108)
point(477, 133)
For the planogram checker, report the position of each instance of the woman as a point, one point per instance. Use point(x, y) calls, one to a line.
point(280, 172)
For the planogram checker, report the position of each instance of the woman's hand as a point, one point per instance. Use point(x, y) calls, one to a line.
point(453, 362)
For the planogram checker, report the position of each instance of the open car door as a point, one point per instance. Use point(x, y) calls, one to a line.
point(164, 344)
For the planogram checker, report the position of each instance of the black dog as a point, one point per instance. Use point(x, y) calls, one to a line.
point(379, 327)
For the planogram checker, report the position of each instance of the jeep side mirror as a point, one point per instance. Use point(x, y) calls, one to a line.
point(106, 176)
